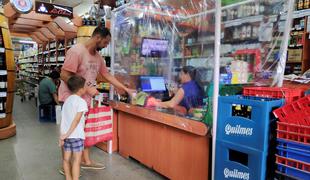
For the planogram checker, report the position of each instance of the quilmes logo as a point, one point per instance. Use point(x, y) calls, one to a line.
point(236, 174)
point(238, 130)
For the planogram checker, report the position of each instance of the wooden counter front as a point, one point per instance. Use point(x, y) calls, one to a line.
point(175, 147)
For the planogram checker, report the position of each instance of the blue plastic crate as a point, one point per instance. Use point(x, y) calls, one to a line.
point(293, 145)
point(291, 171)
point(251, 129)
point(47, 113)
point(296, 154)
point(238, 162)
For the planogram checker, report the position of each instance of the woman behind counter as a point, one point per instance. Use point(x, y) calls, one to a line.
point(190, 95)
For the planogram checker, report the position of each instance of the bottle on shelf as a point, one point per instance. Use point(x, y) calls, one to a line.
point(3, 83)
point(2, 62)
point(1, 41)
point(2, 105)
point(300, 5)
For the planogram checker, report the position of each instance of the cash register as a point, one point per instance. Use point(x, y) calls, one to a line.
point(155, 86)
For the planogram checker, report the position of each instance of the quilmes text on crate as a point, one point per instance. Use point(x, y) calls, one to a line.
point(236, 174)
point(238, 130)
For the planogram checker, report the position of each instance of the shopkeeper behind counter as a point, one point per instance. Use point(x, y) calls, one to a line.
point(189, 95)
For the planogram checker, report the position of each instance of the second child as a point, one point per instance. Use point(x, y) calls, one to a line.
point(72, 128)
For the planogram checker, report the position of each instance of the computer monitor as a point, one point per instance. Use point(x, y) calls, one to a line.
point(152, 84)
point(152, 47)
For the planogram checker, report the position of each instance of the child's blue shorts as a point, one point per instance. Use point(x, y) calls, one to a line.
point(74, 144)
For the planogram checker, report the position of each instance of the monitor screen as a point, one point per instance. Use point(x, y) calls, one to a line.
point(154, 47)
point(152, 83)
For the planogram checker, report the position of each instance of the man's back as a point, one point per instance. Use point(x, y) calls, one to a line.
point(46, 90)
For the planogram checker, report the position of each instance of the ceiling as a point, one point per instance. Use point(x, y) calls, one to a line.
point(43, 28)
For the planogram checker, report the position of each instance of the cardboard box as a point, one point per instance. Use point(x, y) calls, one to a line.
point(294, 55)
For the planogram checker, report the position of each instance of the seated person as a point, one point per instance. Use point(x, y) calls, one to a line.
point(190, 95)
point(48, 89)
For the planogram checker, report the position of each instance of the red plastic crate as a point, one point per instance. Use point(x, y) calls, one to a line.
point(293, 168)
point(297, 112)
point(288, 94)
point(293, 132)
point(293, 163)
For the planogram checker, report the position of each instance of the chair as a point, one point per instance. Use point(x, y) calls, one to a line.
point(47, 113)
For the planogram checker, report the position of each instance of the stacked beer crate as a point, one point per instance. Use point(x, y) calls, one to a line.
point(293, 136)
point(243, 137)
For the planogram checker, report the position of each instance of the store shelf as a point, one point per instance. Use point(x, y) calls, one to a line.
point(191, 57)
point(29, 82)
point(242, 41)
point(26, 62)
point(61, 59)
point(295, 45)
point(259, 18)
point(2, 50)
point(301, 13)
point(32, 71)
point(200, 43)
point(3, 72)
point(3, 94)
point(237, 22)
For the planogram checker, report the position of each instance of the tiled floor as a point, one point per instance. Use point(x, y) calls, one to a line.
point(33, 154)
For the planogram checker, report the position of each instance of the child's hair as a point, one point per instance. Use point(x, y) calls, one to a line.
point(75, 83)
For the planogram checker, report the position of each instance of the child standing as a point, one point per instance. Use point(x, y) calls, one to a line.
point(72, 127)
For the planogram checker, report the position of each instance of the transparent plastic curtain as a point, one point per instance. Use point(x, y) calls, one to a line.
point(190, 37)
point(249, 40)
point(253, 32)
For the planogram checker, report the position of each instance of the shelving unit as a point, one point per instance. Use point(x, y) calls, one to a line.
point(299, 45)
point(7, 81)
point(38, 64)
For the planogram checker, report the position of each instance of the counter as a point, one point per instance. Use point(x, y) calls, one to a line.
point(175, 147)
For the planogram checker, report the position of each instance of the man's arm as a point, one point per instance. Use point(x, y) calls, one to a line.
point(116, 83)
point(55, 98)
point(65, 75)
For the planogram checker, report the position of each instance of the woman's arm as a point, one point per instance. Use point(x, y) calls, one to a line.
point(74, 124)
point(174, 101)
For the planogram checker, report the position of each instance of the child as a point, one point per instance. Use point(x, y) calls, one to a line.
point(72, 127)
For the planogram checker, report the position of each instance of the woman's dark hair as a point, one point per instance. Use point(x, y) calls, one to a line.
point(102, 32)
point(190, 70)
point(75, 83)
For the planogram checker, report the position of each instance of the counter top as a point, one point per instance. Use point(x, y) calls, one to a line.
point(192, 126)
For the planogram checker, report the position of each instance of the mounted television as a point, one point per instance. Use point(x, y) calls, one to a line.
point(152, 47)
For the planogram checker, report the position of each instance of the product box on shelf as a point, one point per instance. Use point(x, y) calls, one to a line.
point(246, 120)
point(294, 55)
point(239, 162)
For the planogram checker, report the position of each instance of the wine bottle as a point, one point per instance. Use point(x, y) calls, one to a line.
point(3, 83)
point(2, 62)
